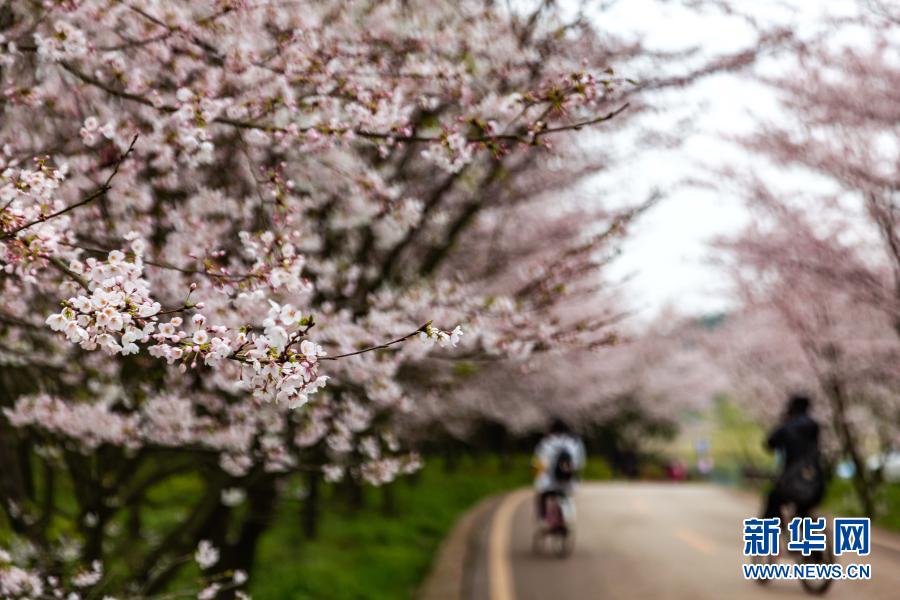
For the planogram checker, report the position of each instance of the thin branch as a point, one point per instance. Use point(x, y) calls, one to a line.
point(102, 190)
point(581, 125)
point(61, 266)
point(238, 277)
point(380, 346)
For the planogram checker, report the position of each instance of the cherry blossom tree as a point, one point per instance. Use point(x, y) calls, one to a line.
point(801, 333)
point(843, 127)
point(819, 268)
point(29, 584)
point(224, 225)
point(222, 221)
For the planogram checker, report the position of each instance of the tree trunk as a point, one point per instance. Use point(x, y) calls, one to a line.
point(262, 503)
point(388, 500)
point(451, 458)
point(205, 518)
point(311, 505)
point(861, 482)
point(13, 487)
point(353, 493)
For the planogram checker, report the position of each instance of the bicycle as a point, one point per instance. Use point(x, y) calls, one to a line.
point(554, 534)
point(816, 587)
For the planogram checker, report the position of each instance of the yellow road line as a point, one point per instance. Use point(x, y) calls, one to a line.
point(499, 565)
point(695, 541)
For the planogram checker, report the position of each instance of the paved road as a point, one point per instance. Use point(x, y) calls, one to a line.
point(653, 541)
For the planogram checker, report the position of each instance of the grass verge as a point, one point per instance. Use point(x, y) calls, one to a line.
point(842, 501)
point(371, 551)
point(373, 554)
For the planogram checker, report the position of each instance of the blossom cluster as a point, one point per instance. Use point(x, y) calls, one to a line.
point(244, 285)
point(454, 152)
point(118, 311)
point(23, 583)
point(16, 582)
point(64, 41)
point(27, 198)
point(432, 334)
point(280, 373)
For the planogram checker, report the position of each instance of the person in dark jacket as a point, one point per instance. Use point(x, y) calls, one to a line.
point(801, 481)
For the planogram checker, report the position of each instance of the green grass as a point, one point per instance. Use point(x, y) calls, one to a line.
point(597, 469)
point(365, 553)
point(841, 501)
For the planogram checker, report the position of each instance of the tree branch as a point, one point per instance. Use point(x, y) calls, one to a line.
point(380, 346)
point(88, 199)
point(523, 137)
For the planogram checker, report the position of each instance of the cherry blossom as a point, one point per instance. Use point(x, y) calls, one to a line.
point(207, 555)
point(818, 268)
point(256, 238)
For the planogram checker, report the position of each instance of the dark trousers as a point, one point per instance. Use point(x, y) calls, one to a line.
point(776, 502)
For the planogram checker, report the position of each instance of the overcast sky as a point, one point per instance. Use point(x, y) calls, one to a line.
point(667, 257)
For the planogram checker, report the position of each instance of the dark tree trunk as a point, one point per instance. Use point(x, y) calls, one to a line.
point(207, 518)
point(262, 498)
point(451, 459)
point(13, 485)
point(388, 500)
point(311, 505)
point(352, 493)
point(861, 482)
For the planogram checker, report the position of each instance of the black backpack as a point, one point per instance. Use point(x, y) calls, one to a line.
point(803, 481)
point(564, 469)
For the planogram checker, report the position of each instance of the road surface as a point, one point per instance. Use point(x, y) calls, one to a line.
point(645, 541)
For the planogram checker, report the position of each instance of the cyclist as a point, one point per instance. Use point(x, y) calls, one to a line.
point(801, 481)
point(558, 458)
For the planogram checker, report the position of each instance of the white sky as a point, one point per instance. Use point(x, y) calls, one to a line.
point(667, 255)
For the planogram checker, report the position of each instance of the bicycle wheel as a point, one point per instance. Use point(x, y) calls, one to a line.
point(566, 543)
point(817, 587)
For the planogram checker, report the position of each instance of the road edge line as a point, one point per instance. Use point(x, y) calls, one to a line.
point(447, 574)
point(499, 565)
